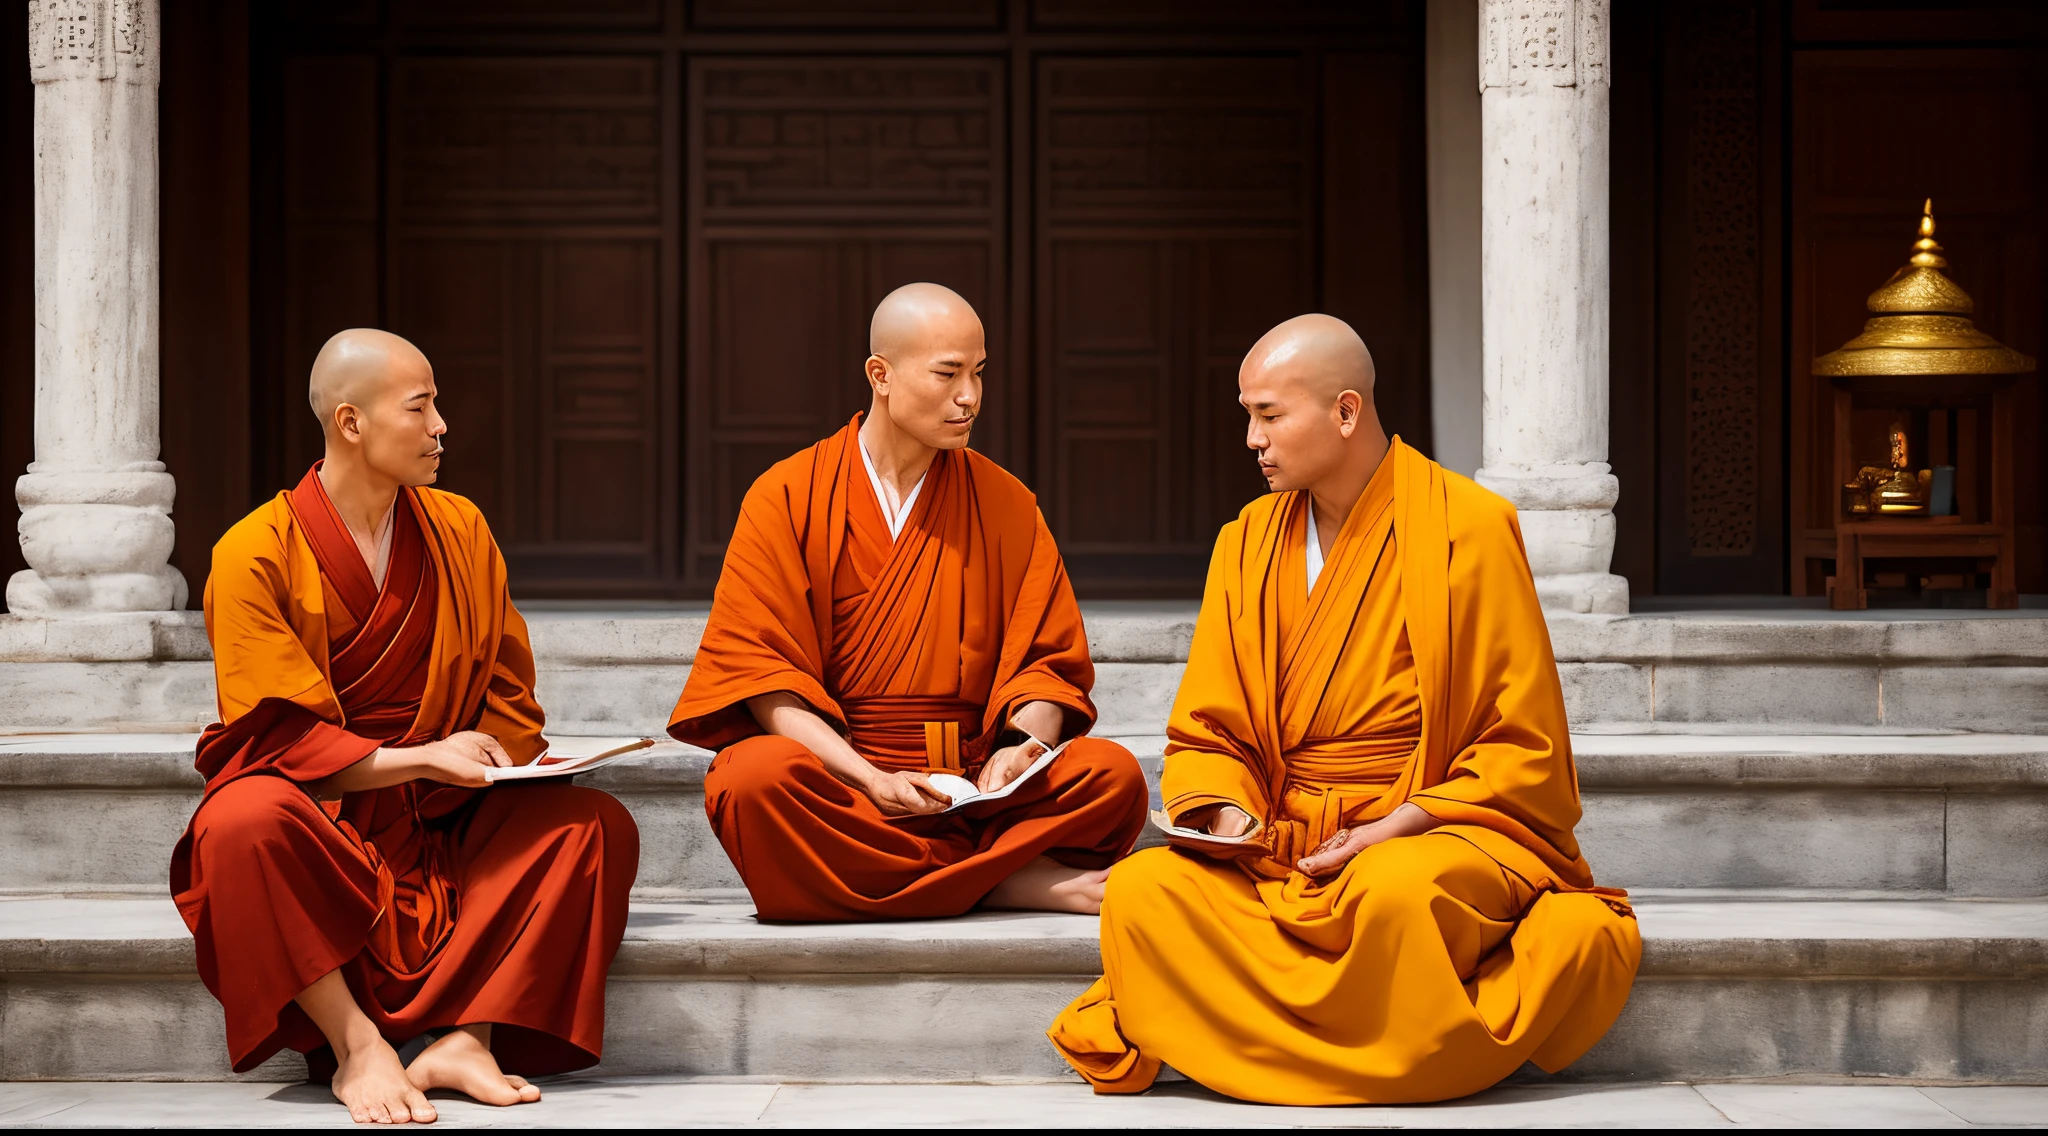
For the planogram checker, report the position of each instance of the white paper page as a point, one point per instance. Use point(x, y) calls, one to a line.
point(964, 793)
point(1173, 831)
point(573, 756)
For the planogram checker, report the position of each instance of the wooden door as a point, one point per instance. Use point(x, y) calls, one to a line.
point(817, 186)
point(641, 241)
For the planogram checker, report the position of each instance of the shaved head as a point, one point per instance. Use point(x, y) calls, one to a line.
point(374, 393)
point(913, 313)
point(354, 364)
point(1307, 387)
point(926, 350)
point(1319, 353)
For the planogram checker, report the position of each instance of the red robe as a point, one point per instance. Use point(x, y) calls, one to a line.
point(919, 648)
point(441, 906)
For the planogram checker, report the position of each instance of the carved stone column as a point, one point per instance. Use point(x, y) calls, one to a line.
point(1544, 285)
point(96, 502)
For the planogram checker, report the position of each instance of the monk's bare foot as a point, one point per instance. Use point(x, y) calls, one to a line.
point(377, 1088)
point(461, 1062)
point(1048, 885)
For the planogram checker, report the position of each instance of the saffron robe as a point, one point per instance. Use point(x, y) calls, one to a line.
point(441, 906)
point(1418, 670)
point(918, 649)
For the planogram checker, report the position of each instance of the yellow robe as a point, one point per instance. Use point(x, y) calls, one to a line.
point(1417, 670)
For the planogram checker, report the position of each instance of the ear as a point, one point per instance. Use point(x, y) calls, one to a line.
point(878, 375)
point(1348, 406)
point(348, 422)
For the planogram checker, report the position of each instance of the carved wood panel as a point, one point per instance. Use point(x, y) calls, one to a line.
point(328, 279)
point(1176, 227)
point(833, 15)
point(572, 140)
point(526, 260)
point(1184, 14)
point(641, 241)
point(1723, 381)
point(818, 186)
point(593, 15)
point(849, 139)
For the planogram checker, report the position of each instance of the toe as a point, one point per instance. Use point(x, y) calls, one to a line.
point(422, 1110)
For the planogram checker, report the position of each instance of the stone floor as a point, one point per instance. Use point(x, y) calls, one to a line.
point(625, 1102)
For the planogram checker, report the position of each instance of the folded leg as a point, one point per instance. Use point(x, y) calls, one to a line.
point(279, 896)
point(812, 848)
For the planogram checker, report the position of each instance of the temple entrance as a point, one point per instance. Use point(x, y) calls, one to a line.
point(641, 248)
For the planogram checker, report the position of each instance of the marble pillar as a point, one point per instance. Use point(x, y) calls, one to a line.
point(96, 503)
point(1544, 289)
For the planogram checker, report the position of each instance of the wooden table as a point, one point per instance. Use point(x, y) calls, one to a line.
point(1982, 531)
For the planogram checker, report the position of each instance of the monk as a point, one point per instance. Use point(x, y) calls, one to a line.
point(892, 605)
point(1373, 893)
point(349, 878)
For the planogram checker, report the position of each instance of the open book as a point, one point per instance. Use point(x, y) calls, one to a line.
point(964, 792)
point(1196, 838)
point(567, 758)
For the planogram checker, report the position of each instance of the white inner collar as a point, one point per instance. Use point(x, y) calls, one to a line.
point(897, 514)
point(380, 565)
point(1315, 548)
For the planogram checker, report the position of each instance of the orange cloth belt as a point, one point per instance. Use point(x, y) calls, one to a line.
point(1332, 783)
point(912, 732)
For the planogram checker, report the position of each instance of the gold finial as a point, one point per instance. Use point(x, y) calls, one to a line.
point(1926, 253)
point(1920, 325)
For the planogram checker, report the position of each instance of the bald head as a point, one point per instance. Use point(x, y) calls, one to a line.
point(926, 350)
point(1319, 353)
point(915, 313)
point(1307, 387)
point(374, 393)
point(355, 364)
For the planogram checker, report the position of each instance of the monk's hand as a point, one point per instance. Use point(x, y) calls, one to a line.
point(1216, 820)
point(460, 759)
point(904, 793)
point(1408, 820)
point(1006, 765)
point(1332, 854)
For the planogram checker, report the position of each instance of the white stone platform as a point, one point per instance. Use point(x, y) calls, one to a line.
point(1941, 990)
point(607, 670)
point(1835, 815)
point(637, 1102)
point(1837, 828)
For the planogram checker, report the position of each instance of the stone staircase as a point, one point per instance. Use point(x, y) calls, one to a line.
point(1837, 829)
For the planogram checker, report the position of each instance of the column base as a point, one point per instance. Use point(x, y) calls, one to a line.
point(1587, 593)
point(30, 593)
point(122, 637)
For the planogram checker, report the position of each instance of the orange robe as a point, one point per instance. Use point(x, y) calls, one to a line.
point(441, 906)
point(918, 649)
point(1418, 670)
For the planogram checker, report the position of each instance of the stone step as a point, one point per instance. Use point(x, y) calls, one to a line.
point(1834, 815)
point(1932, 989)
point(617, 671)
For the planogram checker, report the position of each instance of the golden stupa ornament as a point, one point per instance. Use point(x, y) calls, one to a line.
point(1920, 325)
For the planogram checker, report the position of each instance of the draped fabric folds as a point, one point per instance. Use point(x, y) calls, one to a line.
point(1417, 670)
point(441, 906)
point(919, 648)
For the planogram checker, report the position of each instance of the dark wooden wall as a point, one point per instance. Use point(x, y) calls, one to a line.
point(17, 292)
point(1770, 158)
point(640, 241)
